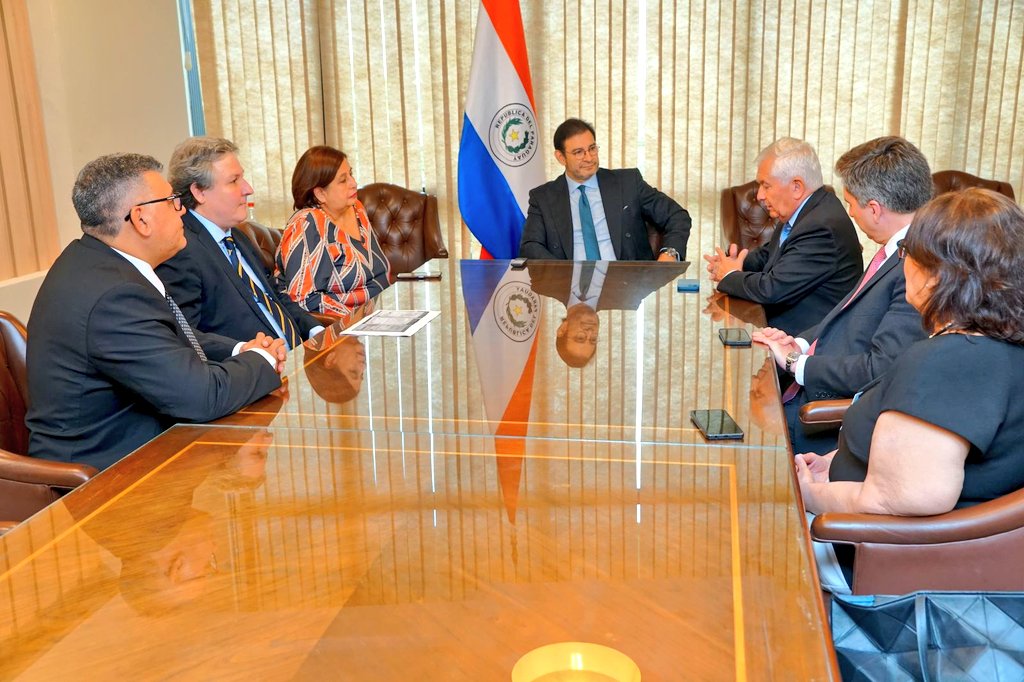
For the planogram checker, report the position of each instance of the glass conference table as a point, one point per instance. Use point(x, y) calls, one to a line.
point(436, 506)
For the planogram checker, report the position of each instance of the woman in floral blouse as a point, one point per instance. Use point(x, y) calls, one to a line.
point(329, 260)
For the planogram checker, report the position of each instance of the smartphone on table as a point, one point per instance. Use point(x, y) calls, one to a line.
point(734, 336)
point(716, 425)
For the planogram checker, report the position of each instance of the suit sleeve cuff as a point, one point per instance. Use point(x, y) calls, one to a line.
point(798, 369)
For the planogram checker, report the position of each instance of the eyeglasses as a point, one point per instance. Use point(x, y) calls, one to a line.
point(901, 251)
point(175, 200)
point(579, 154)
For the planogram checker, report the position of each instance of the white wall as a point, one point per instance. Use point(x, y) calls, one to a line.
point(110, 80)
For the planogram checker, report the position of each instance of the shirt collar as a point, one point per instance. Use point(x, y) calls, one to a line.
point(796, 213)
point(218, 233)
point(890, 246)
point(590, 183)
point(145, 269)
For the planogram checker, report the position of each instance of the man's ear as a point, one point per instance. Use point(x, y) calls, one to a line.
point(562, 330)
point(560, 157)
point(875, 208)
point(799, 187)
point(139, 223)
point(198, 194)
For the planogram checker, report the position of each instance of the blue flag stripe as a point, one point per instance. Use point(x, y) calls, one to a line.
point(485, 199)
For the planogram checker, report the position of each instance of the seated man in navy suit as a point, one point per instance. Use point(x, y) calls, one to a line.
point(885, 182)
point(812, 260)
point(590, 213)
point(218, 279)
point(112, 362)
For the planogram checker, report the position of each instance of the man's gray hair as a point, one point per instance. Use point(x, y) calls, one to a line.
point(192, 162)
point(793, 159)
point(889, 170)
point(104, 191)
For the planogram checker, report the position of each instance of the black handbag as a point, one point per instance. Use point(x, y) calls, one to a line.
point(930, 636)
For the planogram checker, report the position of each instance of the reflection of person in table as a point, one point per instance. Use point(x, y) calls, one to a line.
point(588, 287)
point(168, 549)
point(335, 366)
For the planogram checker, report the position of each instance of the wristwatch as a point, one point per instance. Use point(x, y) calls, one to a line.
point(791, 360)
point(670, 251)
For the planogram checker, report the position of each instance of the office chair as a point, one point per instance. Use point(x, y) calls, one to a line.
point(954, 180)
point(27, 484)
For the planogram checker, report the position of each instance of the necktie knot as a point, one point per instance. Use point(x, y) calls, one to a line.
point(786, 229)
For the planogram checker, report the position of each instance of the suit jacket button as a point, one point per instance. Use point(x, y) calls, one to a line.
point(628, 235)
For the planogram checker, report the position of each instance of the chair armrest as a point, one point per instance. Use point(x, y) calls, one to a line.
point(43, 471)
point(983, 520)
point(433, 241)
point(824, 413)
point(7, 525)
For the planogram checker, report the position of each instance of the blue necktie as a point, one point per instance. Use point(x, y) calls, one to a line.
point(786, 229)
point(587, 227)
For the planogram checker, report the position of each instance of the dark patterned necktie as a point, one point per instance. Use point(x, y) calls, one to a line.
point(291, 335)
point(185, 327)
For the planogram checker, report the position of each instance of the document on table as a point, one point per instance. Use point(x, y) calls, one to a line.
point(392, 323)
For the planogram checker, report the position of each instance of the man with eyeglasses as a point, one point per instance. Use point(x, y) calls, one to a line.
point(591, 213)
point(885, 182)
point(111, 361)
point(219, 278)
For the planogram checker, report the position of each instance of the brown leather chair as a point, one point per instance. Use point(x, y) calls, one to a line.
point(27, 484)
point(953, 181)
point(978, 548)
point(406, 224)
point(744, 220)
point(266, 240)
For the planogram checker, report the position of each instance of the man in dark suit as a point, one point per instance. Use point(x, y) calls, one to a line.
point(885, 182)
point(813, 258)
point(218, 279)
point(111, 362)
point(590, 213)
point(586, 288)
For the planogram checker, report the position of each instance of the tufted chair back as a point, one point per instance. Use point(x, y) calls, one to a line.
point(744, 220)
point(953, 181)
point(406, 224)
point(13, 385)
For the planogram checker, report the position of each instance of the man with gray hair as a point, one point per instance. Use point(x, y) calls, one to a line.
point(104, 338)
point(813, 259)
point(219, 279)
point(885, 181)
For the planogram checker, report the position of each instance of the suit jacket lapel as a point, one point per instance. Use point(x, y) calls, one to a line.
point(847, 302)
point(774, 248)
point(208, 242)
point(563, 215)
point(812, 201)
point(611, 197)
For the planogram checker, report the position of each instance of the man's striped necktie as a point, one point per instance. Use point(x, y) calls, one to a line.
point(262, 298)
